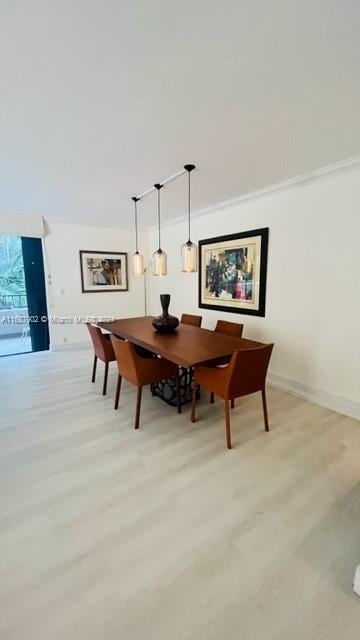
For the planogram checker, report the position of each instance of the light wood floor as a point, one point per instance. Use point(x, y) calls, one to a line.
point(162, 534)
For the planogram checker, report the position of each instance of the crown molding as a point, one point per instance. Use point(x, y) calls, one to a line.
point(350, 164)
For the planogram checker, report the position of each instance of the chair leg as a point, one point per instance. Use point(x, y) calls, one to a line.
point(212, 397)
point(94, 369)
point(178, 399)
point(105, 378)
point(193, 405)
point(227, 424)
point(265, 410)
point(138, 405)
point(117, 393)
point(232, 403)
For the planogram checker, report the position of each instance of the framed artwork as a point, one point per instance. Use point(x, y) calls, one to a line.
point(232, 272)
point(103, 271)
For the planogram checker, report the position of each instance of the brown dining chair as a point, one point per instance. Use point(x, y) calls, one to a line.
point(141, 371)
point(245, 374)
point(229, 328)
point(234, 329)
point(103, 350)
point(187, 318)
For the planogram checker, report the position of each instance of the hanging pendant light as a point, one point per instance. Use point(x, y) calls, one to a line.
point(159, 257)
point(189, 250)
point(137, 259)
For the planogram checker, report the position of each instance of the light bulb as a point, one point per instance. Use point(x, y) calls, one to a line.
point(189, 257)
point(159, 263)
point(138, 264)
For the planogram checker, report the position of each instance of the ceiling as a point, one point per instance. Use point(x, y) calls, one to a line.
point(100, 99)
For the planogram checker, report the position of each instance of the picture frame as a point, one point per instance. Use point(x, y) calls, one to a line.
point(103, 271)
point(232, 272)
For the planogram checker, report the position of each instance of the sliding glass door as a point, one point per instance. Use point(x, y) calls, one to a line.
point(35, 292)
point(23, 312)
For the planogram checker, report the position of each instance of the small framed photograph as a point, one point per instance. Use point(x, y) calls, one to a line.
point(232, 273)
point(103, 271)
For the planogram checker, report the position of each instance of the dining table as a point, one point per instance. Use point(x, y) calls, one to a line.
point(186, 346)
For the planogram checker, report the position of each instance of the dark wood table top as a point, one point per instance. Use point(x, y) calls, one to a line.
point(186, 347)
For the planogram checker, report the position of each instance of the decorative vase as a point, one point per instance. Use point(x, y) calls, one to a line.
point(165, 323)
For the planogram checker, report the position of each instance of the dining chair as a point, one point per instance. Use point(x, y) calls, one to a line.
point(245, 374)
point(141, 371)
point(103, 350)
point(234, 329)
point(187, 318)
point(229, 328)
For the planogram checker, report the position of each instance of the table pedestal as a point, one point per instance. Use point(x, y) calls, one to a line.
point(166, 389)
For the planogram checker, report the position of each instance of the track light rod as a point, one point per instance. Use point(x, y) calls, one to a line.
point(176, 175)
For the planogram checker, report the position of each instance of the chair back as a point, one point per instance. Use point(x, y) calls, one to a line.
point(187, 318)
point(127, 360)
point(102, 346)
point(247, 370)
point(230, 328)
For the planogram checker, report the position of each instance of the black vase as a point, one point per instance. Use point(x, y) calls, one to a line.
point(165, 323)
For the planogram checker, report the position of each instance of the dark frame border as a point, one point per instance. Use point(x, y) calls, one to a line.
point(264, 233)
point(104, 253)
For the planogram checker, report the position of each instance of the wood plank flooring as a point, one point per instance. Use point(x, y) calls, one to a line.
point(112, 534)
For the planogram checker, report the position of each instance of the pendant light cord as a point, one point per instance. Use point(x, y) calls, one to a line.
point(136, 228)
point(158, 187)
point(189, 168)
point(135, 199)
point(189, 193)
point(159, 217)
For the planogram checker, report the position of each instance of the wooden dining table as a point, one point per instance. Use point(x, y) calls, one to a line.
point(186, 346)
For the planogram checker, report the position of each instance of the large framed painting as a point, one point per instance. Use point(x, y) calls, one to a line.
point(232, 273)
point(103, 271)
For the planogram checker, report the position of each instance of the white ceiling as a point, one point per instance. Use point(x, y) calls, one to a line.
point(101, 98)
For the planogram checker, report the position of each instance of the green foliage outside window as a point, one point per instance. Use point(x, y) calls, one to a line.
point(12, 278)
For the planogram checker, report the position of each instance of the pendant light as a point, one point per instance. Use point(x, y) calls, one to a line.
point(189, 250)
point(137, 259)
point(159, 257)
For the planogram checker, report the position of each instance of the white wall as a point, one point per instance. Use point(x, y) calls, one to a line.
point(61, 248)
point(313, 284)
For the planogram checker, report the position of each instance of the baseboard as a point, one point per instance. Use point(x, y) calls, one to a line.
point(71, 346)
point(335, 403)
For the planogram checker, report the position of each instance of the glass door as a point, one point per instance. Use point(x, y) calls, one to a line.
point(23, 313)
